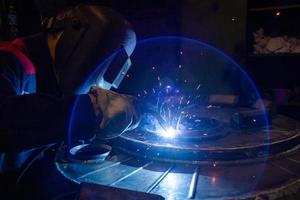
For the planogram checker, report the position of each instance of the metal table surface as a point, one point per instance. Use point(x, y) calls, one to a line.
point(203, 179)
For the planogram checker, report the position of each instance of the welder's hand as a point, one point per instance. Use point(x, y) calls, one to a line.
point(116, 111)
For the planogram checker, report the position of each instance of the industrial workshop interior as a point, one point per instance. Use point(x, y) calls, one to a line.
point(150, 99)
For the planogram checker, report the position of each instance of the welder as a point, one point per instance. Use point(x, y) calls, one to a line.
point(42, 75)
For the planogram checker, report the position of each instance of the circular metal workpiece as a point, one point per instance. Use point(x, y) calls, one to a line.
point(229, 143)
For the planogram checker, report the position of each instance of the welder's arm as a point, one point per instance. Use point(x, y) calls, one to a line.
point(31, 120)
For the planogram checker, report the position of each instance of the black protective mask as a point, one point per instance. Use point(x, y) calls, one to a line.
point(90, 34)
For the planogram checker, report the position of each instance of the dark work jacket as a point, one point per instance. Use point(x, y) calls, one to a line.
point(40, 115)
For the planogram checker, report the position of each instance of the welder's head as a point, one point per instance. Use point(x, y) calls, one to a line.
point(81, 37)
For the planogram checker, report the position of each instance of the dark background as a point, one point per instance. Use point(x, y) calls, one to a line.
point(209, 21)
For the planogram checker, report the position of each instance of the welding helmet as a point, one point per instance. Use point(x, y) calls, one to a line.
point(89, 34)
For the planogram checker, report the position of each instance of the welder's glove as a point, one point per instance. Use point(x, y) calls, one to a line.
point(116, 112)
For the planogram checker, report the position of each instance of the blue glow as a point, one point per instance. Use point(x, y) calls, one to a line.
point(172, 97)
